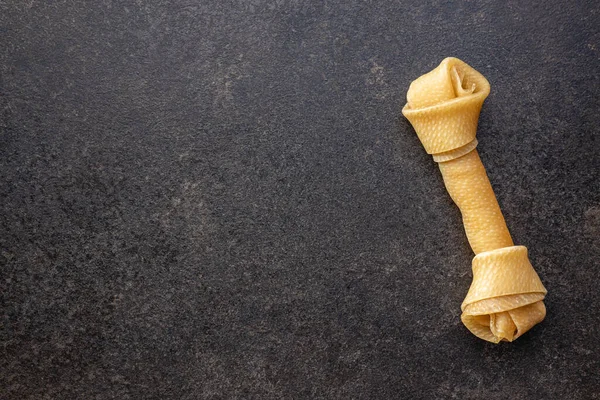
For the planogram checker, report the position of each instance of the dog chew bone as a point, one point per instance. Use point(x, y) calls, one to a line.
point(506, 296)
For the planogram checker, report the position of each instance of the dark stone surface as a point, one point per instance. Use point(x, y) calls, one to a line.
point(221, 200)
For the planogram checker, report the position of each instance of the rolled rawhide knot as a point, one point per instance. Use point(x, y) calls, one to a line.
point(506, 297)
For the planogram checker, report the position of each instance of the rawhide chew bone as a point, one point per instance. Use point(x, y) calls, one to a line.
point(506, 297)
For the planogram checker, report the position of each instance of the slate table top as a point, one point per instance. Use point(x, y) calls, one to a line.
point(222, 200)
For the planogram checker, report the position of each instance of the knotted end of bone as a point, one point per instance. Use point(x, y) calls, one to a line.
point(446, 100)
point(506, 297)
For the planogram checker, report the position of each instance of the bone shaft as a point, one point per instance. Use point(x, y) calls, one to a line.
point(467, 183)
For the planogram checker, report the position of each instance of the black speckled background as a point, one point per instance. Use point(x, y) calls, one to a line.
point(221, 199)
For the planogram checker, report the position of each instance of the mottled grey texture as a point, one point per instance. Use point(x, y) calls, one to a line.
point(221, 200)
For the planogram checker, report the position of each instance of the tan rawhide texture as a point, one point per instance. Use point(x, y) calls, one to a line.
point(506, 296)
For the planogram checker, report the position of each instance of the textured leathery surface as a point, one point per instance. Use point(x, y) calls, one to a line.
point(503, 277)
point(467, 183)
